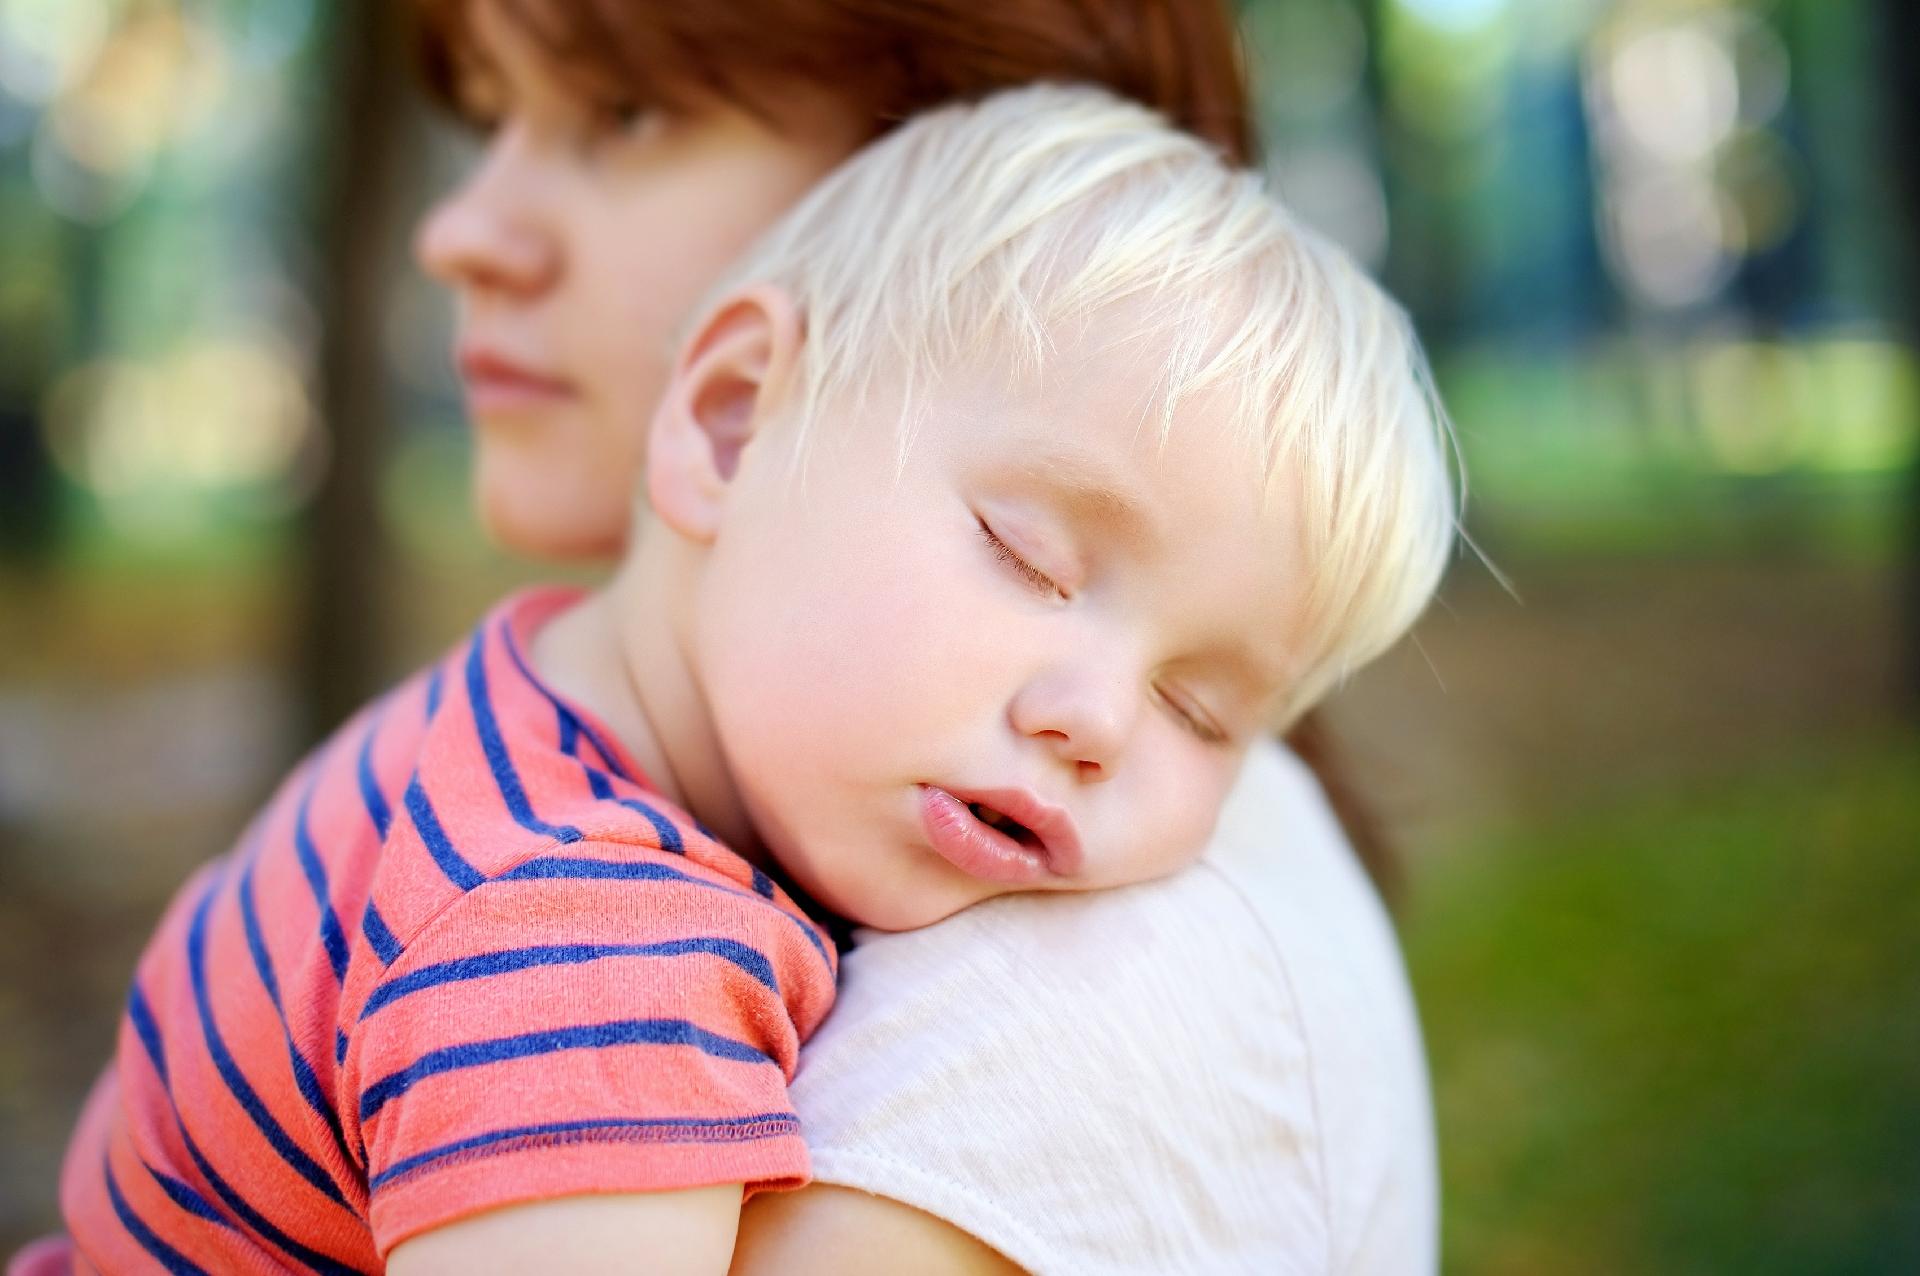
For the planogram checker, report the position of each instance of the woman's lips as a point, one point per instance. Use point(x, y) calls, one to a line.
point(496, 384)
point(979, 850)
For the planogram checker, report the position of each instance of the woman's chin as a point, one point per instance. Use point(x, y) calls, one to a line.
point(539, 520)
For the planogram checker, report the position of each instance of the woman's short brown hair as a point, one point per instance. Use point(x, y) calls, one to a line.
point(891, 58)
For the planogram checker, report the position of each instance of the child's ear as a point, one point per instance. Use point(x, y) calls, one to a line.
point(728, 377)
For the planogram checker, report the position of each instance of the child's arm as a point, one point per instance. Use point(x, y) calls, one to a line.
point(689, 1232)
point(836, 1231)
point(617, 1029)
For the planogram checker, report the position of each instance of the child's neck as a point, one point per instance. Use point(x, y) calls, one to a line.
point(618, 654)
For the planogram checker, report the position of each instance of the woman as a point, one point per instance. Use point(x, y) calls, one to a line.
point(1217, 1072)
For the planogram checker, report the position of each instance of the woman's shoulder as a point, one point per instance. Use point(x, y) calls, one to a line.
point(1277, 914)
point(1235, 1042)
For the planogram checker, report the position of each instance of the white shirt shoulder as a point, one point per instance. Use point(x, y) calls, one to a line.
point(1218, 1072)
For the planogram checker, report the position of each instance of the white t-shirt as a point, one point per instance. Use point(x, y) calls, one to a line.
point(1219, 1072)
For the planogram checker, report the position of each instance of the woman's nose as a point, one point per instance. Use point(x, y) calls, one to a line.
point(488, 234)
point(1084, 716)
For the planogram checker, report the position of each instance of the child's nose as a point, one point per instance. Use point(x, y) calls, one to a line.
point(1082, 716)
point(486, 235)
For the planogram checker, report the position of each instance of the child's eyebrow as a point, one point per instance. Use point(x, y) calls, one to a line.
point(1093, 491)
point(1257, 669)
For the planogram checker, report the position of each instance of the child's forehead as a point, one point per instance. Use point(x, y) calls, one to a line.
point(1100, 426)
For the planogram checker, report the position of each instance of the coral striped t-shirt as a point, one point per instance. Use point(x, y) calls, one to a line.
point(464, 958)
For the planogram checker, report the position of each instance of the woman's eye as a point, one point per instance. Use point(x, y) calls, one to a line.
point(479, 100)
point(1039, 580)
point(1193, 720)
point(622, 117)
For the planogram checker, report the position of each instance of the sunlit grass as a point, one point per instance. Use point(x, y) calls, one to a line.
point(1683, 1035)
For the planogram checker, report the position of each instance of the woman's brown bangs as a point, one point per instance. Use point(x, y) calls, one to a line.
point(885, 58)
point(647, 54)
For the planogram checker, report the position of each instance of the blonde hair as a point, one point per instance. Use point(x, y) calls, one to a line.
point(1004, 224)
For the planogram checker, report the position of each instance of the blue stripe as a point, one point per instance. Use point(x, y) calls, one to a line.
point(506, 961)
point(189, 1200)
point(144, 1026)
point(331, 935)
point(576, 868)
point(433, 693)
point(141, 1016)
point(716, 1124)
point(370, 795)
point(602, 788)
point(260, 1223)
point(664, 828)
point(317, 1099)
point(257, 943)
point(762, 884)
point(303, 1074)
point(580, 869)
point(505, 778)
point(379, 938)
point(451, 862)
point(591, 1036)
point(597, 781)
point(290, 1152)
point(569, 719)
point(339, 1046)
point(162, 1253)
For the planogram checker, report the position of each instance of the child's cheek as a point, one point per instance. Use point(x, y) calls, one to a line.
point(1182, 802)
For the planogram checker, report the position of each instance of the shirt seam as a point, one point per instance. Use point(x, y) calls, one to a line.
point(500, 871)
point(781, 1128)
point(1323, 1192)
point(440, 913)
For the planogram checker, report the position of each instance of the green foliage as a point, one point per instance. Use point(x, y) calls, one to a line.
point(1681, 1035)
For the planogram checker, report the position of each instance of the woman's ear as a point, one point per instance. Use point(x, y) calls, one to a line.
point(727, 380)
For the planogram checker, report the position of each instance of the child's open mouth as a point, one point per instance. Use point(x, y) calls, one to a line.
point(1006, 824)
point(1000, 835)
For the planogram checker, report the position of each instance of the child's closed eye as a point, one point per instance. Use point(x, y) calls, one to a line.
point(1040, 582)
point(1193, 718)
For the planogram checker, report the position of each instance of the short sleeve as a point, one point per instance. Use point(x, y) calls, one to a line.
point(615, 1019)
point(1193, 1075)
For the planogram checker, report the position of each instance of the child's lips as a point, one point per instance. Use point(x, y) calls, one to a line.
point(991, 854)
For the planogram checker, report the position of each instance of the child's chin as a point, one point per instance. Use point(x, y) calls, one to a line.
point(893, 913)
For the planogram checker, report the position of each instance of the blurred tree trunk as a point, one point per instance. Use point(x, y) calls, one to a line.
point(341, 638)
point(1899, 23)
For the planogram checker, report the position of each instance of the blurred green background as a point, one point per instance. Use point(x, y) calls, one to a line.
point(1659, 804)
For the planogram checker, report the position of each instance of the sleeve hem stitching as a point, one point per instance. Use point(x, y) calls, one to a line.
point(771, 1128)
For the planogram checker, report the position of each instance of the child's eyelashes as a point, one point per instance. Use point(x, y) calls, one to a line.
point(1040, 582)
point(1193, 719)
